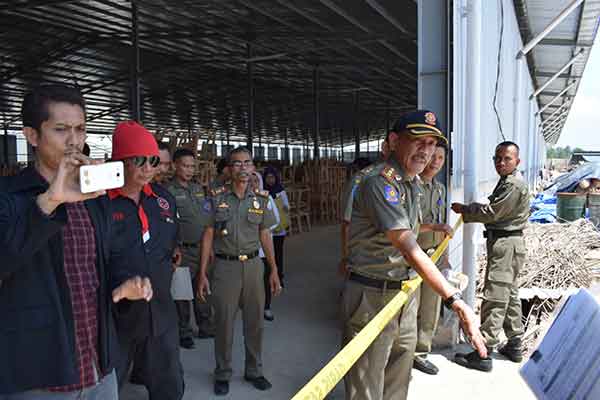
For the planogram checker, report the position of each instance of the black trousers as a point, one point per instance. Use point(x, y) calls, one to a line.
point(278, 247)
point(157, 363)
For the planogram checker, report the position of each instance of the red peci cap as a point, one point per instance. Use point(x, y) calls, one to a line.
point(131, 139)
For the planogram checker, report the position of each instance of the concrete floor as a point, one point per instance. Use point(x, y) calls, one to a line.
point(305, 335)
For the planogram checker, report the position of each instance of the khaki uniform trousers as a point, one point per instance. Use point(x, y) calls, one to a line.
point(430, 304)
point(236, 285)
point(383, 371)
point(501, 306)
point(190, 257)
point(428, 316)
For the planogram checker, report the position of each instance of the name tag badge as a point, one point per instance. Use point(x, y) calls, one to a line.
point(146, 236)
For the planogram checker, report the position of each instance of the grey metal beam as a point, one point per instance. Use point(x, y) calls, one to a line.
point(557, 74)
point(565, 42)
point(553, 24)
point(388, 16)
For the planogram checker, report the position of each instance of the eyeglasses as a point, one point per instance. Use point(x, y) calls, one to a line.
point(140, 161)
point(238, 163)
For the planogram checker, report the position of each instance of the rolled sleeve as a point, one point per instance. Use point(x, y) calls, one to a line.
point(505, 199)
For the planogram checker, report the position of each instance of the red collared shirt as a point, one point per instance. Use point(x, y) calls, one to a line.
point(82, 277)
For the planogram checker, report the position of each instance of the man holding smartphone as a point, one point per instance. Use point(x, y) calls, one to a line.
point(57, 337)
point(144, 241)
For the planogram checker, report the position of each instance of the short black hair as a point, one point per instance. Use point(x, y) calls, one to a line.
point(221, 165)
point(183, 152)
point(34, 110)
point(442, 144)
point(164, 146)
point(86, 150)
point(362, 162)
point(508, 143)
point(237, 150)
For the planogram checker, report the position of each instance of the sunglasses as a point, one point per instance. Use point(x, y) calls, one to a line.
point(238, 163)
point(140, 161)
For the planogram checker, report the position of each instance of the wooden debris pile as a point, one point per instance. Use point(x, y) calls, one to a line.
point(560, 256)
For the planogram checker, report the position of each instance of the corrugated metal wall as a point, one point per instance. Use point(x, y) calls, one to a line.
point(517, 121)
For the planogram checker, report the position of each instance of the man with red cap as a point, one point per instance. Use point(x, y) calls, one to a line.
point(144, 240)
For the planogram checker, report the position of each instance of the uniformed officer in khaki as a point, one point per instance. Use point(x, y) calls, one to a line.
point(348, 193)
point(504, 217)
point(191, 200)
point(237, 225)
point(433, 208)
point(385, 220)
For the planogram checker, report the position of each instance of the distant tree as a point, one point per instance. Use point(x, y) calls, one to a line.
point(561, 152)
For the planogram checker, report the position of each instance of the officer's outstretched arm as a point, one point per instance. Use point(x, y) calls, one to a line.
point(404, 240)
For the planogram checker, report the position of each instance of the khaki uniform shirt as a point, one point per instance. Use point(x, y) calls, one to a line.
point(191, 201)
point(384, 201)
point(238, 222)
point(508, 209)
point(433, 208)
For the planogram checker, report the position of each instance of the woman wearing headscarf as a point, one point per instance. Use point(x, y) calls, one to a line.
point(276, 190)
point(257, 183)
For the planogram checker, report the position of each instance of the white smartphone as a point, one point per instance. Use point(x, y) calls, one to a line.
point(105, 176)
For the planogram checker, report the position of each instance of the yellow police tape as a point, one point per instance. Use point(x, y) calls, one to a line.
point(324, 381)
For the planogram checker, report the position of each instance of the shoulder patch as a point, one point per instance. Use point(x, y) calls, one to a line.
point(390, 174)
point(262, 193)
point(391, 195)
point(217, 191)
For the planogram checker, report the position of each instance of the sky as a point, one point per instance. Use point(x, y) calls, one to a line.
point(582, 128)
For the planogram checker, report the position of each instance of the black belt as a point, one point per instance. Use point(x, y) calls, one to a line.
point(493, 233)
point(377, 283)
point(241, 257)
point(188, 245)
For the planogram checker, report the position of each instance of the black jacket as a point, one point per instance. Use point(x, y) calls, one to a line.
point(131, 256)
point(37, 335)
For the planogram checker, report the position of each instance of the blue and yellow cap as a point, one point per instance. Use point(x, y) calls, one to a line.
point(420, 123)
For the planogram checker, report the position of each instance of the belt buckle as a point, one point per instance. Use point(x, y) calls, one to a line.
point(243, 257)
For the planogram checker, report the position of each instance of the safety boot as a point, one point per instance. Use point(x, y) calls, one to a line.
point(512, 350)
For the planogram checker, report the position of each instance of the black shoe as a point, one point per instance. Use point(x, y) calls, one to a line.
point(474, 361)
point(205, 335)
point(135, 379)
point(424, 365)
point(269, 316)
point(187, 343)
point(512, 351)
point(221, 388)
point(261, 383)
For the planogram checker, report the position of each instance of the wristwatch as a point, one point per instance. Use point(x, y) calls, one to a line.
point(450, 300)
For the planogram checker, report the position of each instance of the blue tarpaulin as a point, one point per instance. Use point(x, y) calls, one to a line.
point(543, 209)
point(568, 182)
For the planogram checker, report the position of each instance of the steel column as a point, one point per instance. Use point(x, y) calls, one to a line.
point(316, 114)
point(5, 139)
point(355, 127)
point(135, 110)
point(250, 95)
point(472, 112)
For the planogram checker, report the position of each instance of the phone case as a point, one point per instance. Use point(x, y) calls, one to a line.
point(101, 177)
